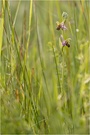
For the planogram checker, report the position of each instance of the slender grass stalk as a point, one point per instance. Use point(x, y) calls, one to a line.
point(16, 13)
point(27, 103)
point(29, 29)
point(1, 37)
point(1, 24)
point(13, 34)
point(57, 71)
point(41, 61)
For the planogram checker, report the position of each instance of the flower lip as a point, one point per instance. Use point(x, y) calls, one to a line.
point(58, 27)
point(67, 44)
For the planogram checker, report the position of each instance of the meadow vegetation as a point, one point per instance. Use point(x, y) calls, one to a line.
point(44, 87)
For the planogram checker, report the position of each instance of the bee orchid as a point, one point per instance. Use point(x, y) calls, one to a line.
point(61, 26)
point(65, 42)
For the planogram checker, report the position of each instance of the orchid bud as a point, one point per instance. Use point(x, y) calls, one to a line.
point(65, 15)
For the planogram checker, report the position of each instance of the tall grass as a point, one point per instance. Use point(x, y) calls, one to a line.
point(44, 90)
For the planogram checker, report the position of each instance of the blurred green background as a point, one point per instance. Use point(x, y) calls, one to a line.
point(43, 89)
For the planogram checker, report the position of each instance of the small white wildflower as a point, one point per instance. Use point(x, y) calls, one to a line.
point(59, 97)
point(77, 30)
